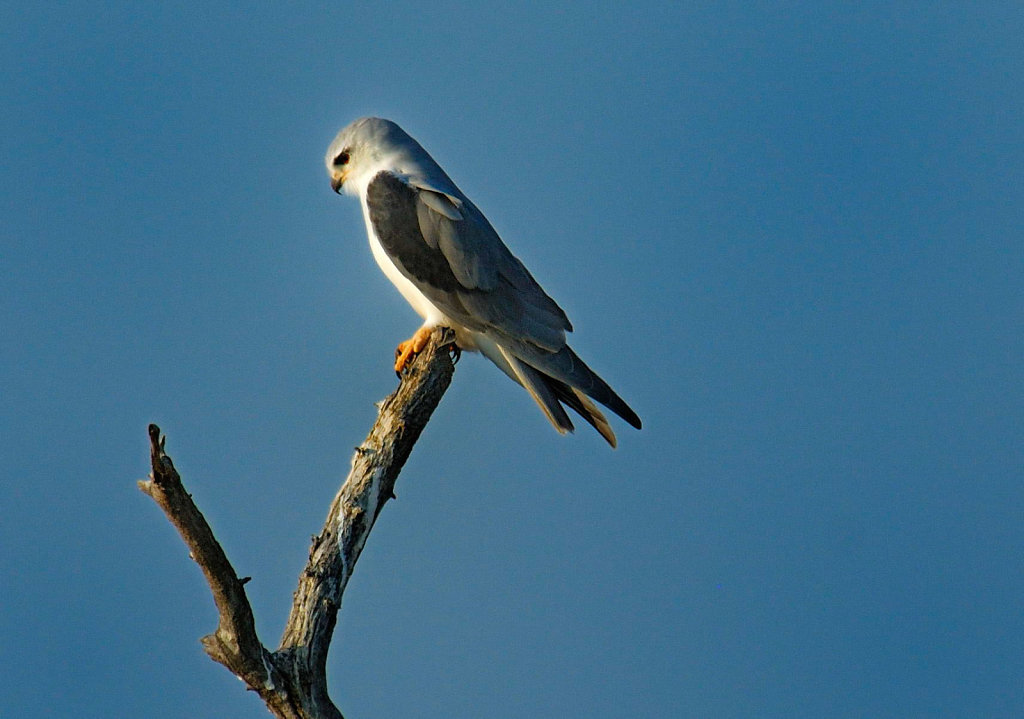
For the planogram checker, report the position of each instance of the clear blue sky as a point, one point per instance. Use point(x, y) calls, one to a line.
point(790, 234)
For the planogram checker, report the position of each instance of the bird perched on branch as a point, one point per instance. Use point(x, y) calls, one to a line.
point(448, 262)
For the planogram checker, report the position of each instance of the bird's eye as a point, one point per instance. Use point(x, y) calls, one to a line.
point(341, 159)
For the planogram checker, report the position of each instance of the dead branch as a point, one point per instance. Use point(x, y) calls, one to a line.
point(292, 680)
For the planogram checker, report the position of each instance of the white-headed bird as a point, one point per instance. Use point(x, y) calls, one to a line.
point(448, 262)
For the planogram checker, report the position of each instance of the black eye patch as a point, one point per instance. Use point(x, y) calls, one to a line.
point(342, 158)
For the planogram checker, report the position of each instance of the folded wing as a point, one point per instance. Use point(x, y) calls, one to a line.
point(448, 249)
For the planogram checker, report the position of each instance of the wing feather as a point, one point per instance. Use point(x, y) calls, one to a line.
point(462, 266)
point(440, 203)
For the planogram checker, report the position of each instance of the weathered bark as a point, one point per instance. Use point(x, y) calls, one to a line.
point(292, 680)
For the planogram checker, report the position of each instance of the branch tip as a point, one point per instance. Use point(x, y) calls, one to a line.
point(154, 436)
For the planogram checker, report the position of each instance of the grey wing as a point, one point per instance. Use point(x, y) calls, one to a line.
point(461, 265)
point(456, 259)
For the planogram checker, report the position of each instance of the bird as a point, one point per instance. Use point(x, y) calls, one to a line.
point(445, 258)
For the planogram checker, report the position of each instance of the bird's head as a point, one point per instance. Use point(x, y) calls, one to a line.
point(366, 147)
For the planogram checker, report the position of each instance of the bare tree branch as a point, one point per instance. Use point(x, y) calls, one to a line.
point(292, 681)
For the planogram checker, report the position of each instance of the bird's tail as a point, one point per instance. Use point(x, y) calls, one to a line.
point(551, 390)
point(566, 367)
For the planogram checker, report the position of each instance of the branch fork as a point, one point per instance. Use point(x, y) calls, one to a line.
point(292, 680)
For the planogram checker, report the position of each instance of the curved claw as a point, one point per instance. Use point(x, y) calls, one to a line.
point(455, 351)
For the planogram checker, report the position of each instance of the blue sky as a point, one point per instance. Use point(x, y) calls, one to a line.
point(789, 234)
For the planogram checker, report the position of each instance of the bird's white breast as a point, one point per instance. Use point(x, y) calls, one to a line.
point(431, 315)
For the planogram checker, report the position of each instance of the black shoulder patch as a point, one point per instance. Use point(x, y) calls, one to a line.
point(392, 206)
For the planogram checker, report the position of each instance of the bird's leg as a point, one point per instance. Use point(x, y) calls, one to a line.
point(410, 348)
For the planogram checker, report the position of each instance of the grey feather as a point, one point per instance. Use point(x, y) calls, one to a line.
point(441, 204)
point(566, 367)
point(585, 409)
point(539, 385)
point(550, 394)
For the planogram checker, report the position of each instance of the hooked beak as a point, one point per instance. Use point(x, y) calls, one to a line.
point(336, 182)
